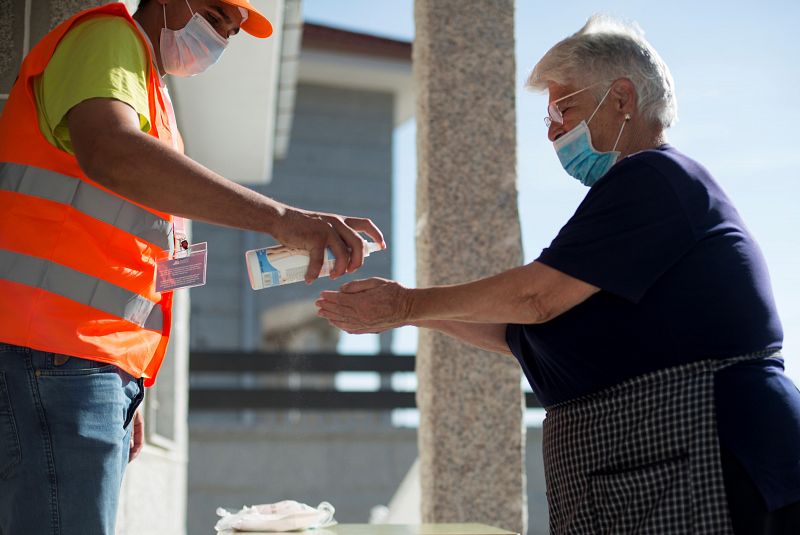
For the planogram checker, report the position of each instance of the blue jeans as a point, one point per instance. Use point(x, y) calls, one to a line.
point(64, 441)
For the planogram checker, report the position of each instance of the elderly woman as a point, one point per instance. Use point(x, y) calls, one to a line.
point(647, 328)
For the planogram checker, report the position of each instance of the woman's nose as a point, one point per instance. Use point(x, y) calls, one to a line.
point(554, 131)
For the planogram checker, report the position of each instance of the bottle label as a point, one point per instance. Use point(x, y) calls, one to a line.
point(284, 265)
point(278, 265)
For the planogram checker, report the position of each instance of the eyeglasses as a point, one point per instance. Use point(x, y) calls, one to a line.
point(554, 114)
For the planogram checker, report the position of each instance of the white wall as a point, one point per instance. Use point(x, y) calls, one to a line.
point(227, 114)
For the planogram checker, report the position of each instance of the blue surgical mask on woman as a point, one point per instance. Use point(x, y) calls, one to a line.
point(579, 157)
point(192, 49)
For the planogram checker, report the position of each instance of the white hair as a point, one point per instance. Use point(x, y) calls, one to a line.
point(606, 49)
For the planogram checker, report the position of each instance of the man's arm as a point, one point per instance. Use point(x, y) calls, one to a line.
point(115, 153)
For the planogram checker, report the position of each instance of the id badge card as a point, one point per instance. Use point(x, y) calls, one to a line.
point(184, 269)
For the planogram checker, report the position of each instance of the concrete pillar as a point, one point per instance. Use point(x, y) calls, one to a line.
point(471, 437)
point(12, 33)
point(47, 15)
point(23, 23)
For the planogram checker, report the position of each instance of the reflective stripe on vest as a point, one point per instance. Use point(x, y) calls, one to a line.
point(88, 199)
point(79, 287)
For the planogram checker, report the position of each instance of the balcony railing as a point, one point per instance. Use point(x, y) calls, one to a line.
point(219, 364)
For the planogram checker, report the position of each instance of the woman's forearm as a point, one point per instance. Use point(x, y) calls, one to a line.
point(534, 293)
point(503, 298)
point(488, 336)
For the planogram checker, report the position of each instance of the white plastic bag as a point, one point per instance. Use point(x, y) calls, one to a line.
point(287, 515)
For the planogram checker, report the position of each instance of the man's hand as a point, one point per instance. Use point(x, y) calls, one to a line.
point(137, 436)
point(316, 231)
point(366, 306)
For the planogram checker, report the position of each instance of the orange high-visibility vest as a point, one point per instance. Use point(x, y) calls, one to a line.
point(77, 261)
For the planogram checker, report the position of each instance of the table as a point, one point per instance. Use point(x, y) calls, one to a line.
point(423, 529)
point(402, 529)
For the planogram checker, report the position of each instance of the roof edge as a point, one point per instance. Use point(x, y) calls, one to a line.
point(320, 37)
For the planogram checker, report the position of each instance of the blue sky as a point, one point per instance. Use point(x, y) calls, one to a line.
point(736, 67)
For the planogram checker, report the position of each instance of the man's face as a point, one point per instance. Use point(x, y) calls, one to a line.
point(224, 18)
point(579, 107)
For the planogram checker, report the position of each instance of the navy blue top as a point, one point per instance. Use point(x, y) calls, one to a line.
point(681, 280)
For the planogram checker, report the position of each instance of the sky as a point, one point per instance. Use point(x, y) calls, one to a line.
point(737, 75)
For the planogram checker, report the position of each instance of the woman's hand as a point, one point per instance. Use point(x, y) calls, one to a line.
point(366, 306)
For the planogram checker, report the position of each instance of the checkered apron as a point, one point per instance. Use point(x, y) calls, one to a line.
point(639, 457)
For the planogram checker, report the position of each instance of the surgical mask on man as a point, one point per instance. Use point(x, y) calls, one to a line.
point(192, 49)
point(579, 157)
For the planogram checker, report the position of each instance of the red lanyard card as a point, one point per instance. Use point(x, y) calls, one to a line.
point(184, 269)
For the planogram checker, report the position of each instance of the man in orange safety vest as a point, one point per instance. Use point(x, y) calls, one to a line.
point(92, 181)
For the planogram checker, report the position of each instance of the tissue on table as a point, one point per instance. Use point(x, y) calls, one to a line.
point(287, 515)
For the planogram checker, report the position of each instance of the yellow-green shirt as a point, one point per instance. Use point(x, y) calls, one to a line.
point(102, 57)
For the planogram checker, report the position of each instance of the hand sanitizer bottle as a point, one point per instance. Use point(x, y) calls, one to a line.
point(274, 266)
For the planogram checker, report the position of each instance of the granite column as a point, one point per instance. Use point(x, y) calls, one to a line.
point(471, 435)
